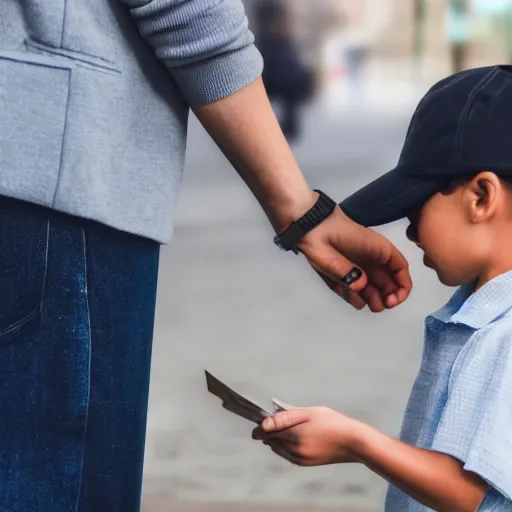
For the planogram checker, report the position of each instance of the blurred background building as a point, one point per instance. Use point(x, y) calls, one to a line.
point(261, 320)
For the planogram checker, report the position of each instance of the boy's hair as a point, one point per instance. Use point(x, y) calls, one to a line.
point(451, 186)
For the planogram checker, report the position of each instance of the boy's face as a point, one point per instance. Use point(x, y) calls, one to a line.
point(441, 229)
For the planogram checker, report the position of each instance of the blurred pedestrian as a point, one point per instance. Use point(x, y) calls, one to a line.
point(458, 33)
point(94, 102)
point(507, 27)
point(288, 81)
point(419, 18)
point(355, 52)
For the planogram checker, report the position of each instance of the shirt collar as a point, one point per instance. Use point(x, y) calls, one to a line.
point(478, 309)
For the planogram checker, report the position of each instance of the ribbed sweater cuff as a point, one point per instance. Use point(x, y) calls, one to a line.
point(213, 79)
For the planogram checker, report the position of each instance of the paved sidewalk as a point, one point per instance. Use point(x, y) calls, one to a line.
point(165, 505)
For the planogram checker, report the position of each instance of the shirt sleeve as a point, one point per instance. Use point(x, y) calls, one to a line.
point(495, 502)
point(476, 423)
point(206, 44)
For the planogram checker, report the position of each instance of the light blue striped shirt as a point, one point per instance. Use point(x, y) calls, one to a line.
point(461, 402)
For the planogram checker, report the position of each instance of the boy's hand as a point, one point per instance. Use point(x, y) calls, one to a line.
point(318, 436)
point(312, 436)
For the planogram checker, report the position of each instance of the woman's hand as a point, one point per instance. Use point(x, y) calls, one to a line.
point(338, 245)
point(244, 126)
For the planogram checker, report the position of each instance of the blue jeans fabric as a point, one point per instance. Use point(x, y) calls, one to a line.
point(77, 303)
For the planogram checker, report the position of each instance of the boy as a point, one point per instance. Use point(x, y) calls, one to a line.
point(454, 183)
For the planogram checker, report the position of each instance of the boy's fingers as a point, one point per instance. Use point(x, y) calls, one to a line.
point(285, 420)
point(258, 434)
point(283, 452)
point(285, 438)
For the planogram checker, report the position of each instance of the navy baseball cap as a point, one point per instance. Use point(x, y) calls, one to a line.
point(462, 126)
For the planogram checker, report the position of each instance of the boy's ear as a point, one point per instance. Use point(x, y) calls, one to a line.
point(482, 196)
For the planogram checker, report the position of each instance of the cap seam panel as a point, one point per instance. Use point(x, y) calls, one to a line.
point(461, 130)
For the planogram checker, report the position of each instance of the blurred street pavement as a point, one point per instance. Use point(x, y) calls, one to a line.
point(156, 505)
point(262, 321)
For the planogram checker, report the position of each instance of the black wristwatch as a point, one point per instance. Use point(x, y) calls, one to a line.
point(293, 234)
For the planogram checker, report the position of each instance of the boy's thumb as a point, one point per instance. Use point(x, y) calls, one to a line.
point(285, 420)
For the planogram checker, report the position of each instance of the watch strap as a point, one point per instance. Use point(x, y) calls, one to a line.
point(293, 234)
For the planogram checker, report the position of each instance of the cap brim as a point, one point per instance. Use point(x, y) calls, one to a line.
point(390, 197)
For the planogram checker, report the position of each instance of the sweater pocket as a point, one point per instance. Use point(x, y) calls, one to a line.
point(34, 92)
point(73, 58)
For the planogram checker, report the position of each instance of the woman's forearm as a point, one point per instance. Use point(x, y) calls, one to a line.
point(245, 128)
